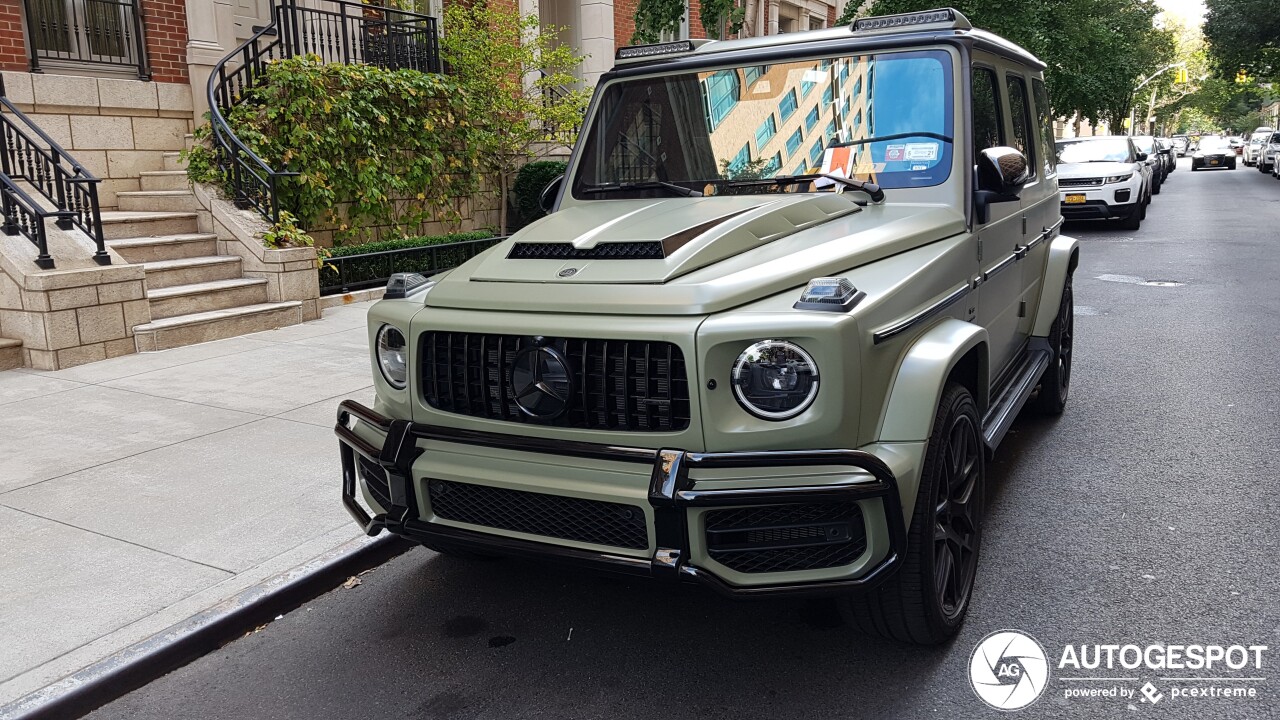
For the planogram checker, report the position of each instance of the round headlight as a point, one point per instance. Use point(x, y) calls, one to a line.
point(393, 356)
point(775, 380)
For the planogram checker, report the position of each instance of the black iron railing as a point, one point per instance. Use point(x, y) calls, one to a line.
point(346, 273)
point(30, 155)
point(346, 32)
point(563, 134)
point(101, 32)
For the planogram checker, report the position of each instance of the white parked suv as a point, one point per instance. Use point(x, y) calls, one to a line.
point(1104, 178)
point(1257, 142)
point(1269, 160)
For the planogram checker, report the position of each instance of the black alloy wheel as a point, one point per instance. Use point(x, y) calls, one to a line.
point(957, 512)
point(925, 601)
point(1055, 384)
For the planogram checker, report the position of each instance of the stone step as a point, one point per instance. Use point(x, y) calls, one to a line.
point(118, 224)
point(164, 180)
point(171, 161)
point(214, 325)
point(10, 353)
point(188, 271)
point(165, 247)
point(188, 141)
point(158, 200)
point(205, 297)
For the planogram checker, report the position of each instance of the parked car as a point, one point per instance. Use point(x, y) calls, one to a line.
point(1253, 148)
point(1104, 178)
point(1147, 146)
point(1236, 144)
point(1269, 160)
point(1214, 152)
point(1164, 146)
point(764, 383)
point(1180, 144)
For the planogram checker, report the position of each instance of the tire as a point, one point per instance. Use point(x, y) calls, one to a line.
point(1055, 384)
point(946, 525)
point(1155, 186)
point(1133, 220)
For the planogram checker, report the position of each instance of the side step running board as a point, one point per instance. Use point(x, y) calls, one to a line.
point(1005, 408)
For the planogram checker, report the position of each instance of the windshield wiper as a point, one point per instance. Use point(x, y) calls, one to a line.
point(895, 136)
point(645, 185)
point(872, 190)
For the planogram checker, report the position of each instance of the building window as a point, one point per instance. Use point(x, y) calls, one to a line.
point(101, 32)
point(829, 95)
point(857, 88)
point(815, 153)
point(793, 142)
point(766, 131)
point(857, 120)
point(844, 71)
point(775, 164)
point(806, 83)
point(753, 73)
point(788, 106)
point(811, 119)
point(740, 161)
point(723, 90)
point(830, 132)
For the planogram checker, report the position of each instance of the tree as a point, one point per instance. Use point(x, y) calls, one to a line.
point(721, 18)
point(1096, 50)
point(656, 17)
point(519, 85)
point(1244, 35)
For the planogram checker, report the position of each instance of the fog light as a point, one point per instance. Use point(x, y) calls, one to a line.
point(1122, 196)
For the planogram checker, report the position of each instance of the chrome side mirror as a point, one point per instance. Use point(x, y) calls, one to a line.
point(1003, 171)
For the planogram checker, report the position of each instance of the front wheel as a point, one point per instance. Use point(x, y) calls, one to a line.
point(1055, 384)
point(926, 600)
point(1133, 220)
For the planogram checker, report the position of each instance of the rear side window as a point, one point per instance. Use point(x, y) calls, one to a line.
point(987, 131)
point(1045, 119)
point(1024, 139)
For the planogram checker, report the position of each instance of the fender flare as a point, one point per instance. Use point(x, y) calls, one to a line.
point(922, 376)
point(1063, 257)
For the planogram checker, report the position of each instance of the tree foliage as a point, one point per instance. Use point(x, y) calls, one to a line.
point(1244, 35)
point(655, 18)
point(519, 83)
point(1097, 51)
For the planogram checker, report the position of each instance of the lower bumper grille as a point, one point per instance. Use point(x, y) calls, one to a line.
point(566, 518)
point(375, 479)
point(780, 538)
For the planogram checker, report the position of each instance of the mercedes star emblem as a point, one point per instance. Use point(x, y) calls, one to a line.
point(541, 382)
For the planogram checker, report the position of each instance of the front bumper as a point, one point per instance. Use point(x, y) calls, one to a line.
point(671, 494)
point(1096, 209)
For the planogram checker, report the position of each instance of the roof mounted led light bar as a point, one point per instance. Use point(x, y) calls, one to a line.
point(644, 52)
point(940, 19)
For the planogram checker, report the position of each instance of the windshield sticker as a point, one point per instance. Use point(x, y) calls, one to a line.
point(922, 151)
point(894, 153)
point(837, 160)
point(919, 167)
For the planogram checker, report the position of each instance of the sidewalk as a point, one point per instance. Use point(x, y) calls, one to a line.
point(138, 491)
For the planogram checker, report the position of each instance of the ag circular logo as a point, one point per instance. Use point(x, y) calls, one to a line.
point(1008, 670)
point(568, 272)
point(541, 382)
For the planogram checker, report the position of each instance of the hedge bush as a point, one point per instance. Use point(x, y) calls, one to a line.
point(409, 242)
point(530, 182)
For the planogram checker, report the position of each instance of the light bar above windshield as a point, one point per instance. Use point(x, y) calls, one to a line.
point(940, 19)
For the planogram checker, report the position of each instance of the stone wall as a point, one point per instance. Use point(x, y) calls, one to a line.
point(115, 127)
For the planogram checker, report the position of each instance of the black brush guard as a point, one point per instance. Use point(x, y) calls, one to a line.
point(671, 493)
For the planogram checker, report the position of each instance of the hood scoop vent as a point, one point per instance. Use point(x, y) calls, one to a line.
point(641, 250)
point(651, 250)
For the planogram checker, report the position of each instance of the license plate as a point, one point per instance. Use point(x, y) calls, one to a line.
point(1074, 199)
point(1213, 162)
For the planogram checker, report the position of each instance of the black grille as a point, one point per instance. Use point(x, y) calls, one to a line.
point(375, 479)
point(589, 521)
point(1079, 182)
point(779, 538)
point(630, 385)
point(604, 251)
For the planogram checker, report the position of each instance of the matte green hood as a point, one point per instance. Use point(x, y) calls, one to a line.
point(717, 253)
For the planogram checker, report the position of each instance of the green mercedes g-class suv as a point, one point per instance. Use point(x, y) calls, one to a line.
point(790, 296)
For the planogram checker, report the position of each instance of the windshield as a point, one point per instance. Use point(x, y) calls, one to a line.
point(883, 118)
point(1144, 143)
point(1212, 143)
point(1093, 150)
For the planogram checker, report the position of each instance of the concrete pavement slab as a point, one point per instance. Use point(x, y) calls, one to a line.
point(266, 381)
point(325, 412)
point(15, 386)
point(138, 363)
point(243, 495)
point(52, 435)
point(335, 320)
point(61, 587)
point(355, 339)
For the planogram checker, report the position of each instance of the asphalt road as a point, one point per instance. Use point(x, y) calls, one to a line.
point(1147, 514)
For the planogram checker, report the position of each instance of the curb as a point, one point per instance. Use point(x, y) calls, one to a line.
point(135, 666)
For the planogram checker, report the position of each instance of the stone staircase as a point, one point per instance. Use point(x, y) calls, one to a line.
point(195, 294)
